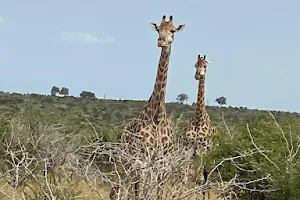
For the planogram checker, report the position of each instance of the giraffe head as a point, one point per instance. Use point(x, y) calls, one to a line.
point(166, 31)
point(201, 67)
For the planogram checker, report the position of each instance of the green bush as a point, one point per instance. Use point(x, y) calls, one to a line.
point(279, 159)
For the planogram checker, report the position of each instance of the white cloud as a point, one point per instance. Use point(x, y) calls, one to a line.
point(86, 38)
point(2, 21)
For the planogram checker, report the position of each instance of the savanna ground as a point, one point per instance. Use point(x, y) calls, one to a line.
point(67, 147)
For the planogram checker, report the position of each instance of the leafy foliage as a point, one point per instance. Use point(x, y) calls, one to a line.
point(87, 95)
point(221, 100)
point(54, 90)
point(64, 91)
point(182, 97)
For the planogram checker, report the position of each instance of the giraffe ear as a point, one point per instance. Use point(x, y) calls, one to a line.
point(154, 26)
point(204, 58)
point(180, 27)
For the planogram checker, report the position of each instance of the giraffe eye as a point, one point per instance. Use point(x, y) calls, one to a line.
point(172, 31)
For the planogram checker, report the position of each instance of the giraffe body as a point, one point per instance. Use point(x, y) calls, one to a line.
point(152, 128)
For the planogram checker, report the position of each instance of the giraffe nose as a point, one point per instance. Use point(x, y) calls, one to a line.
point(161, 39)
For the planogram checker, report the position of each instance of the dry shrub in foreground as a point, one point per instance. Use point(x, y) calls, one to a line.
point(159, 177)
point(43, 162)
point(34, 161)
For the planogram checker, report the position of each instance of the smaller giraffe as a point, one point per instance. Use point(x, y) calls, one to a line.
point(200, 131)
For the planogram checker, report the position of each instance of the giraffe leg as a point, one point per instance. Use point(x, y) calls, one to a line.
point(208, 195)
point(205, 181)
point(136, 190)
point(158, 192)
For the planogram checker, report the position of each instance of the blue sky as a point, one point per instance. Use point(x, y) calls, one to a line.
point(108, 47)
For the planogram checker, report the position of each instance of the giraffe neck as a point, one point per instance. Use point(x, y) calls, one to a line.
point(156, 108)
point(200, 106)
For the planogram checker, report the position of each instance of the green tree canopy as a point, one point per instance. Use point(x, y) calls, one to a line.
point(54, 90)
point(87, 95)
point(64, 91)
point(182, 97)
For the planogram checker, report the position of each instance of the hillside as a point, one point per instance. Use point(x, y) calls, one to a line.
point(75, 110)
point(108, 117)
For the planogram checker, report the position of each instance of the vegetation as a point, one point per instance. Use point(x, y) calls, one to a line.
point(64, 91)
point(87, 95)
point(260, 145)
point(55, 90)
point(181, 98)
point(221, 100)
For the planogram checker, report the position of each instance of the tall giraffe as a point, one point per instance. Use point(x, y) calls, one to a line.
point(152, 129)
point(200, 131)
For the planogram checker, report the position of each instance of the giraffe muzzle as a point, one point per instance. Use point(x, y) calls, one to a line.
point(162, 42)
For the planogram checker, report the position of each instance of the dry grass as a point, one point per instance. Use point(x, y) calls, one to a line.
point(83, 191)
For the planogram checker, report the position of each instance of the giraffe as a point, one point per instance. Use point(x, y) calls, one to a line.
point(200, 131)
point(151, 128)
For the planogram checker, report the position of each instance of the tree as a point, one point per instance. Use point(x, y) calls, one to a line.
point(87, 95)
point(221, 100)
point(182, 97)
point(54, 90)
point(64, 91)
